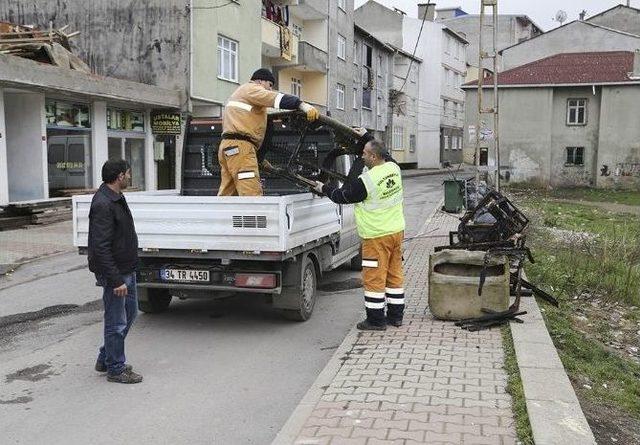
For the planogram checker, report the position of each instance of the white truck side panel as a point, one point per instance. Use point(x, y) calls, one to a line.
point(267, 223)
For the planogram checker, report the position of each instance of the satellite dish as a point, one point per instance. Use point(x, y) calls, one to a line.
point(561, 16)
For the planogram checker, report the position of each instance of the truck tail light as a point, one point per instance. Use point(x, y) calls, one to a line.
point(256, 280)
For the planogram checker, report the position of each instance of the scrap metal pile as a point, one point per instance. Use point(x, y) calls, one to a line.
point(497, 227)
point(47, 46)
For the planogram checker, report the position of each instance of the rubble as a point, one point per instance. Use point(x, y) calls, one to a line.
point(46, 46)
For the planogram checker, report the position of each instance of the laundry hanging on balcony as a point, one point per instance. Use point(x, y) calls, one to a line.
point(285, 43)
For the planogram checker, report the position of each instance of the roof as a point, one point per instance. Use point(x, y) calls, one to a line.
point(611, 9)
point(518, 16)
point(371, 36)
point(610, 67)
point(404, 53)
point(455, 34)
point(606, 28)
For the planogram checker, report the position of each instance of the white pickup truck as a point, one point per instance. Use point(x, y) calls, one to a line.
point(195, 245)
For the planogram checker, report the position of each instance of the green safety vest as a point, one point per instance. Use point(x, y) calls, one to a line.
point(381, 213)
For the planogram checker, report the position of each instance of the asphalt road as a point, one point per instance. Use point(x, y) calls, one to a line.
point(215, 372)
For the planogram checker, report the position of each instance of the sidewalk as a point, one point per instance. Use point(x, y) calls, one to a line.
point(21, 245)
point(425, 382)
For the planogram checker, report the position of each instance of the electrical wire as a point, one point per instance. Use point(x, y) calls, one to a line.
point(415, 48)
point(217, 6)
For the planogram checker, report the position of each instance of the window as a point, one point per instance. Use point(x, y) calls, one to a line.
point(342, 4)
point(355, 98)
point(340, 96)
point(355, 52)
point(379, 106)
point(366, 98)
point(446, 142)
point(66, 114)
point(575, 156)
point(125, 120)
point(412, 143)
point(379, 65)
point(296, 87)
point(342, 47)
point(398, 137)
point(445, 107)
point(414, 107)
point(577, 112)
point(227, 59)
point(367, 56)
point(454, 142)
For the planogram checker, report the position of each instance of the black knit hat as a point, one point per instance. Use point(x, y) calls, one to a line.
point(264, 74)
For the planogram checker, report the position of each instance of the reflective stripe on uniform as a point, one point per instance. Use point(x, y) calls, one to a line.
point(241, 105)
point(246, 175)
point(231, 151)
point(394, 290)
point(376, 295)
point(395, 300)
point(369, 263)
point(387, 204)
point(371, 305)
point(276, 103)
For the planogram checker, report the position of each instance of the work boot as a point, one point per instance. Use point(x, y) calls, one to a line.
point(396, 323)
point(101, 367)
point(365, 325)
point(125, 377)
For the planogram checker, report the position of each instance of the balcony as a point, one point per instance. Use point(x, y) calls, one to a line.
point(307, 9)
point(311, 59)
point(271, 43)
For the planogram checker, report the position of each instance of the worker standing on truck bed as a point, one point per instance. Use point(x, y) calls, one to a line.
point(377, 194)
point(244, 124)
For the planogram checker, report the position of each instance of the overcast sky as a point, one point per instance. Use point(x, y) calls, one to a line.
point(540, 11)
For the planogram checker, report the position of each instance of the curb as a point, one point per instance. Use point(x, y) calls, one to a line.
point(6, 268)
point(288, 433)
point(553, 408)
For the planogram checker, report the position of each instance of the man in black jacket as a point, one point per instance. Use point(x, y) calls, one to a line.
point(113, 257)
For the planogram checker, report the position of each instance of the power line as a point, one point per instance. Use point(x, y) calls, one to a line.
point(216, 6)
point(415, 48)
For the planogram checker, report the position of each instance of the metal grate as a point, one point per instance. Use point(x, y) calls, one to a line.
point(249, 222)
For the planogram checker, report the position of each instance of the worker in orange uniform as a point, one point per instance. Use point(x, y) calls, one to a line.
point(378, 196)
point(244, 124)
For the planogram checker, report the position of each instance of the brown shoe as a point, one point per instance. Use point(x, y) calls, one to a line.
point(101, 367)
point(125, 377)
point(366, 326)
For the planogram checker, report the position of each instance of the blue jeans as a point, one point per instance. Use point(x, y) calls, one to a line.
point(119, 313)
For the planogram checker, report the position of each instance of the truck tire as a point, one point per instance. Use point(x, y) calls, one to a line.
point(356, 262)
point(306, 293)
point(153, 301)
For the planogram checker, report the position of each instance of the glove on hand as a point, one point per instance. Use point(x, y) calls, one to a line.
point(311, 111)
point(318, 187)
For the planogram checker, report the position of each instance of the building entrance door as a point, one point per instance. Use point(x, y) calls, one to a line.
point(68, 162)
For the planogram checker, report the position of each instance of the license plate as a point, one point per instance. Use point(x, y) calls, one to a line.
point(185, 275)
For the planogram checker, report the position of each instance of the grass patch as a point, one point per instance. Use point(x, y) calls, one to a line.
point(590, 260)
point(514, 387)
point(628, 197)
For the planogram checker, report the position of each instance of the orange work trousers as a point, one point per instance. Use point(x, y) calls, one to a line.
point(239, 174)
point(383, 278)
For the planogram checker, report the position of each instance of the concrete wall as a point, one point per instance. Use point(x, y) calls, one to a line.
point(403, 111)
point(510, 30)
point(525, 131)
point(575, 36)
point(381, 21)
point(563, 136)
point(4, 180)
point(140, 41)
point(340, 71)
point(619, 138)
point(621, 17)
point(26, 149)
point(241, 22)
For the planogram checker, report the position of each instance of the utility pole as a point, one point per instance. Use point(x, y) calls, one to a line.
point(485, 54)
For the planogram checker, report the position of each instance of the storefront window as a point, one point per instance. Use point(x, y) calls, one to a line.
point(132, 150)
point(67, 114)
point(123, 120)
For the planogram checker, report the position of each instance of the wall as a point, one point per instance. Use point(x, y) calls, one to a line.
point(619, 139)
point(340, 71)
point(525, 131)
point(314, 85)
point(4, 183)
point(622, 18)
point(26, 150)
point(241, 22)
point(382, 22)
point(564, 135)
point(141, 41)
point(575, 36)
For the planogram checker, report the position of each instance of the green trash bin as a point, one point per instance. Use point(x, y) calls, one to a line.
point(453, 195)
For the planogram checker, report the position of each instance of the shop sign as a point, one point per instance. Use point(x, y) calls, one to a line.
point(166, 123)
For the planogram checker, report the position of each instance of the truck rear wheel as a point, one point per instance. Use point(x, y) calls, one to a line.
point(153, 301)
point(306, 293)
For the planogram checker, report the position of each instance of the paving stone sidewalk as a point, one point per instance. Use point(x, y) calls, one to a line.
point(20, 245)
point(425, 382)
